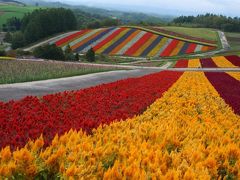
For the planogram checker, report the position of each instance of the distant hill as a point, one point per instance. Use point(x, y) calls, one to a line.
point(12, 2)
point(125, 17)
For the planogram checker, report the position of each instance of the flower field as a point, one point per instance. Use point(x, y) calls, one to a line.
point(213, 62)
point(168, 125)
point(129, 41)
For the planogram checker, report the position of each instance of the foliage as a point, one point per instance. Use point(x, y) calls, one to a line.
point(224, 23)
point(90, 55)
point(45, 22)
point(18, 40)
point(77, 57)
point(2, 53)
point(12, 24)
point(49, 52)
point(8, 37)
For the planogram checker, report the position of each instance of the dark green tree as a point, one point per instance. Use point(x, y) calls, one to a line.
point(76, 57)
point(49, 52)
point(18, 40)
point(90, 55)
point(8, 37)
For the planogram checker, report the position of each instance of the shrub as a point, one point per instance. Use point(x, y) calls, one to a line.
point(2, 53)
point(90, 55)
point(49, 52)
point(18, 40)
point(76, 57)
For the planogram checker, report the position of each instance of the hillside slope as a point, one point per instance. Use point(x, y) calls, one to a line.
point(129, 41)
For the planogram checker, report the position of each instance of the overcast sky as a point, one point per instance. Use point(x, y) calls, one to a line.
point(226, 7)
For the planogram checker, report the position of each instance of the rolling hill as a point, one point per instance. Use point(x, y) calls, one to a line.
point(131, 41)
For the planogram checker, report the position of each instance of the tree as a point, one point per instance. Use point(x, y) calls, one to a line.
point(45, 22)
point(8, 37)
point(69, 56)
point(49, 52)
point(90, 55)
point(76, 57)
point(18, 40)
point(2, 53)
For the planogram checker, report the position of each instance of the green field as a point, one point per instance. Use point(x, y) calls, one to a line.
point(14, 71)
point(8, 11)
point(234, 40)
point(204, 33)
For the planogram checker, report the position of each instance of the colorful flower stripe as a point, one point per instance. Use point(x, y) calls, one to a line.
point(163, 45)
point(208, 63)
point(109, 38)
point(150, 48)
point(86, 44)
point(112, 41)
point(65, 40)
point(194, 63)
point(235, 75)
point(234, 60)
point(228, 88)
point(81, 38)
point(146, 45)
point(198, 48)
point(189, 133)
point(181, 64)
point(221, 61)
point(177, 49)
point(170, 48)
point(119, 41)
point(131, 43)
point(191, 48)
point(86, 109)
point(184, 49)
point(125, 41)
point(94, 43)
point(138, 44)
point(88, 39)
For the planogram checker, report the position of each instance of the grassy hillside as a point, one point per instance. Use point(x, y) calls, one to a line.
point(8, 11)
point(234, 40)
point(204, 33)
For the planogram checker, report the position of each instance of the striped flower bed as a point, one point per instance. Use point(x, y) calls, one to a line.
point(232, 61)
point(191, 131)
point(129, 42)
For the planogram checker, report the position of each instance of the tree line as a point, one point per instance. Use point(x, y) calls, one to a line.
point(39, 24)
point(208, 20)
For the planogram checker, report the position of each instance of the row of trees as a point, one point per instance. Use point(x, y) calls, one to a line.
point(224, 23)
point(56, 53)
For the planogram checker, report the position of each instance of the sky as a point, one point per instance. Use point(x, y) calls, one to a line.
point(171, 7)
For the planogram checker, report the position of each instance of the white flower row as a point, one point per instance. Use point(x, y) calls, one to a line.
point(198, 48)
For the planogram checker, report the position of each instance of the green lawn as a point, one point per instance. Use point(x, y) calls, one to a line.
point(234, 40)
point(13, 71)
point(8, 11)
point(204, 33)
